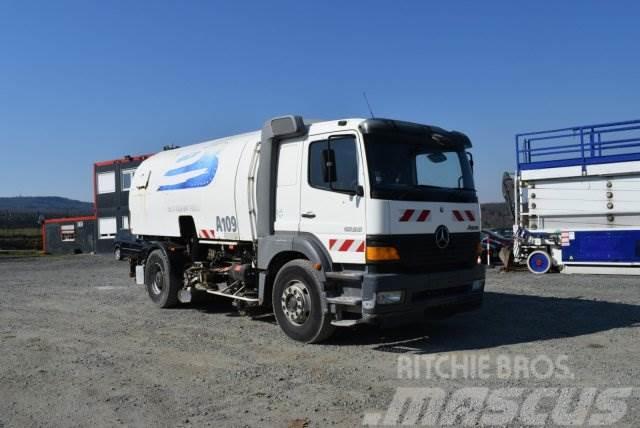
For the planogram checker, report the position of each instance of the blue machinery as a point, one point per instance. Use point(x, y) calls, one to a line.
point(577, 199)
point(580, 145)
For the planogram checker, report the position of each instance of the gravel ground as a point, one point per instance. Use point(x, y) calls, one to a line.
point(81, 345)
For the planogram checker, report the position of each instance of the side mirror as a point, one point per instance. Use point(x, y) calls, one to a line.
point(346, 147)
point(470, 157)
point(329, 170)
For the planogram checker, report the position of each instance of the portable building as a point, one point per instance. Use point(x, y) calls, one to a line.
point(70, 235)
point(96, 233)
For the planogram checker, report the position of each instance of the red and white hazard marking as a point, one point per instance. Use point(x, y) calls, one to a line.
point(565, 240)
point(464, 215)
point(414, 215)
point(207, 233)
point(346, 245)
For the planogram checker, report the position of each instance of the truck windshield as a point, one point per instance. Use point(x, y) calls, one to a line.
point(410, 170)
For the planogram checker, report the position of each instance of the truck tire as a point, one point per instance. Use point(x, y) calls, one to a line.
point(297, 303)
point(161, 279)
point(117, 253)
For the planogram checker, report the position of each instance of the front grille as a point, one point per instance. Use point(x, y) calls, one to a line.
point(420, 254)
point(440, 292)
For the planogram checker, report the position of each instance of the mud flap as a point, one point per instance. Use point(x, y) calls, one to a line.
point(139, 274)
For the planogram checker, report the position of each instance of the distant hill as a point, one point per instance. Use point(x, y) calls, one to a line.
point(496, 214)
point(44, 205)
point(24, 211)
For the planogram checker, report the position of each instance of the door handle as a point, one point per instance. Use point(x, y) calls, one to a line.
point(308, 214)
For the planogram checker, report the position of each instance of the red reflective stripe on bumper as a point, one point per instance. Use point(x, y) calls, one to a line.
point(424, 215)
point(407, 215)
point(346, 245)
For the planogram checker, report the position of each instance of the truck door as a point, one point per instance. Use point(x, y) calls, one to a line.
point(332, 205)
point(288, 187)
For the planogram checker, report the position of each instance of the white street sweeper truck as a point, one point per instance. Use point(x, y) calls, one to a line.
point(329, 223)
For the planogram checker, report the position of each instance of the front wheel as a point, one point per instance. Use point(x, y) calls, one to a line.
point(297, 303)
point(539, 262)
point(117, 253)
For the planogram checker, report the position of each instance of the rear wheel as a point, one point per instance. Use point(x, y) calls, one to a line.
point(162, 279)
point(297, 303)
point(539, 262)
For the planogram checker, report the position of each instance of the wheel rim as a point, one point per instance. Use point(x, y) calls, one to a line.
point(118, 253)
point(296, 302)
point(157, 279)
point(539, 262)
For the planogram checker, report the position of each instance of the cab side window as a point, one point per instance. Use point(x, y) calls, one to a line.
point(333, 164)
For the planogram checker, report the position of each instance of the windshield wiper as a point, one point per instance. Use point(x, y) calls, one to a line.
point(412, 187)
point(427, 186)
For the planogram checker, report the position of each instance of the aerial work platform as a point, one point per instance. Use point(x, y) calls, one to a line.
point(577, 198)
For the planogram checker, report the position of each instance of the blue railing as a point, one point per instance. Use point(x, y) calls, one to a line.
point(579, 145)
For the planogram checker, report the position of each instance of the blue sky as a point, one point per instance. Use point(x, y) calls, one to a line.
point(82, 81)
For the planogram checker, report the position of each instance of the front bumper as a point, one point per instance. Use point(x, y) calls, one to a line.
point(424, 295)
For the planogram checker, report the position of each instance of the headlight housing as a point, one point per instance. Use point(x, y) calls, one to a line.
point(389, 297)
point(382, 254)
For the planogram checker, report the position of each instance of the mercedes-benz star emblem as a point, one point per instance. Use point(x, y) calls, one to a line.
point(442, 236)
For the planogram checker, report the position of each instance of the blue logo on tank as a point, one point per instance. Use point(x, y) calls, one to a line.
point(207, 163)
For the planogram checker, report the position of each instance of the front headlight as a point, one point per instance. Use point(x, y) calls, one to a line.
point(389, 297)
